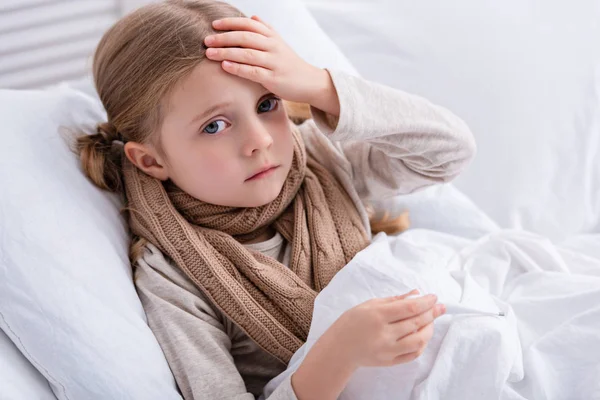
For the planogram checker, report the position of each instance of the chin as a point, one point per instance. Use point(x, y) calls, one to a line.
point(260, 201)
point(261, 197)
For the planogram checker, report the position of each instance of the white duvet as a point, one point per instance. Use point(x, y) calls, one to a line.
point(547, 346)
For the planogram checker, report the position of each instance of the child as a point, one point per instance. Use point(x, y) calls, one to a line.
point(240, 217)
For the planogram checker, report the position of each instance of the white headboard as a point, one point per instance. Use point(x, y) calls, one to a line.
point(43, 42)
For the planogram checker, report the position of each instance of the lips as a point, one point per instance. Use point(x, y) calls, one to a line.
point(261, 171)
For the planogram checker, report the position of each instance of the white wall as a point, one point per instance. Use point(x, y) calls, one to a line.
point(46, 41)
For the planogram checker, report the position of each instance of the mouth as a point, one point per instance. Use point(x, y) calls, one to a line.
point(263, 172)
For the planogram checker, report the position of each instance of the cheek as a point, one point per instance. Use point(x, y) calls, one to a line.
point(287, 145)
point(282, 132)
point(213, 166)
point(204, 170)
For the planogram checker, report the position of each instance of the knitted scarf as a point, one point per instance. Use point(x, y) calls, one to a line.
point(270, 302)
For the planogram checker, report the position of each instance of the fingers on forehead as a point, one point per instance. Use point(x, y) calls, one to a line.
point(241, 23)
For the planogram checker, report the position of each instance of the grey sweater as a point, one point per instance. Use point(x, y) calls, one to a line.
point(385, 142)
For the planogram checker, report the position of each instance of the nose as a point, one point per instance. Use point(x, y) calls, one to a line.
point(257, 138)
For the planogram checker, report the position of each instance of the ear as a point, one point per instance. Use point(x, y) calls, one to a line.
point(147, 159)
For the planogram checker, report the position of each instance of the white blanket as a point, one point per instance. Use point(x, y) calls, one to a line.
point(547, 346)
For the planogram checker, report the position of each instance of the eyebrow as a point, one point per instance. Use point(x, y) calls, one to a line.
point(209, 111)
point(220, 106)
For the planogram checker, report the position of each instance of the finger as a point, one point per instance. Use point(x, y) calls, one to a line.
point(238, 39)
point(400, 297)
point(241, 56)
point(406, 358)
point(241, 24)
point(403, 309)
point(411, 325)
point(416, 341)
point(250, 72)
point(257, 18)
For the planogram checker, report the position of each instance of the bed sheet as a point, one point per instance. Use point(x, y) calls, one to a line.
point(547, 346)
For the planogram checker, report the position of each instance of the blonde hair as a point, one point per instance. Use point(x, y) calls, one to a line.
point(137, 63)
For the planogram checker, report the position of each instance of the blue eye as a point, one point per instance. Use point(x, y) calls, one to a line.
point(215, 127)
point(267, 105)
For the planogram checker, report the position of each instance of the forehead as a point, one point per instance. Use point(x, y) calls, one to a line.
point(207, 85)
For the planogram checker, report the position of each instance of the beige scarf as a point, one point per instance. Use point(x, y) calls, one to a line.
point(270, 302)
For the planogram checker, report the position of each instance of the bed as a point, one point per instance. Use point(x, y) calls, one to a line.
point(524, 75)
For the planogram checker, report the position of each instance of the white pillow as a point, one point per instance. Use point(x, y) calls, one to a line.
point(66, 295)
point(440, 208)
point(524, 75)
point(19, 380)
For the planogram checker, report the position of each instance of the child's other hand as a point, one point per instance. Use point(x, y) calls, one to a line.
point(388, 331)
point(251, 49)
point(376, 333)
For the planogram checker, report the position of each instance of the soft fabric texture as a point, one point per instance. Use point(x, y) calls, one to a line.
point(269, 301)
point(66, 295)
point(547, 346)
point(525, 76)
point(385, 143)
point(19, 380)
point(441, 208)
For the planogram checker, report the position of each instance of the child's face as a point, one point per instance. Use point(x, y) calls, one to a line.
point(218, 131)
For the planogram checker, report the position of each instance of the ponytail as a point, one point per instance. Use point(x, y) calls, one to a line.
point(100, 156)
point(101, 159)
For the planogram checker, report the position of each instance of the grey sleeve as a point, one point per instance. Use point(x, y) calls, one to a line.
point(191, 334)
point(395, 142)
